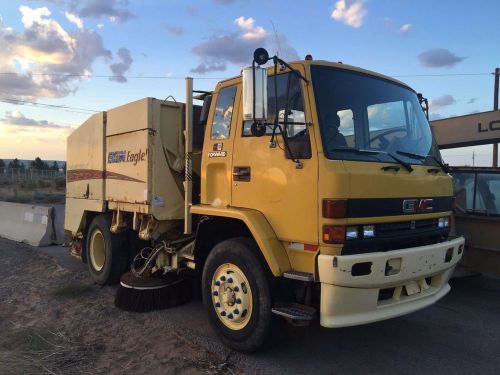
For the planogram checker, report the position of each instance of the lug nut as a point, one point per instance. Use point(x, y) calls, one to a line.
point(223, 313)
point(236, 311)
point(236, 289)
point(216, 293)
point(217, 283)
point(230, 280)
point(217, 304)
point(230, 316)
point(223, 278)
point(238, 301)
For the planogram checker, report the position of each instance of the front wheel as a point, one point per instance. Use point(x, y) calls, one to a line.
point(236, 295)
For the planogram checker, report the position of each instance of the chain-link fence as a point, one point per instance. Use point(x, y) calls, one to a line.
point(25, 174)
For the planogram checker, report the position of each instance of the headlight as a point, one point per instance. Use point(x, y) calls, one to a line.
point(351, 233)
point(368, 231)
point(443, 222)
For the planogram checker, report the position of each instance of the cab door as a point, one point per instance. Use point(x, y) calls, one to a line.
point(266, 178)
point(218, 146)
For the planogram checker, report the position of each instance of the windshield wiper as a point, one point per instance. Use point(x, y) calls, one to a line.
point(374, 152)
point(443, 166)
point(403, 163)
point(355, 150)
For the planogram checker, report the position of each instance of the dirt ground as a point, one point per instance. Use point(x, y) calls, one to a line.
point(53, 321)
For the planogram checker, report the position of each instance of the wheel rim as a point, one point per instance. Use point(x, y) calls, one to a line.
point(97, 250)
point(231, 296)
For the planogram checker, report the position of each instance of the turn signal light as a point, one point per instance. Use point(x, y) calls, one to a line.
point(333, 234)
point(334, 208)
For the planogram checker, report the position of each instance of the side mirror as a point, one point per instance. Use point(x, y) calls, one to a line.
point(254, 94)
point(260, 56)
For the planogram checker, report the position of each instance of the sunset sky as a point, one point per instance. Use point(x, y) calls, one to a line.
point(61, 60)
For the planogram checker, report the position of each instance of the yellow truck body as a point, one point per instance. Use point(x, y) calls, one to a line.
point(251, 188)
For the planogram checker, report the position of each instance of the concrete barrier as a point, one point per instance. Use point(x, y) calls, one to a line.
point(34, 225)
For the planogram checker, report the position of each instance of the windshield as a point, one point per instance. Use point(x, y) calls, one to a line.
point(360, 112)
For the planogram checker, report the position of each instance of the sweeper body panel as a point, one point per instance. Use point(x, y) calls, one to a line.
point(314, 186)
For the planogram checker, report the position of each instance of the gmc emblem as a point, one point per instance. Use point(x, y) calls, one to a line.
point(413, 206)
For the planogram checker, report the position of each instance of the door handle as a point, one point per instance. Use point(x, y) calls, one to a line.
point(241, 174)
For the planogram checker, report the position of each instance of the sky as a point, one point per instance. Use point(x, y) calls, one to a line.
point(62, 60)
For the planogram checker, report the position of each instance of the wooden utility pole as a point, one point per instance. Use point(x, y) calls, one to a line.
point(495, 108)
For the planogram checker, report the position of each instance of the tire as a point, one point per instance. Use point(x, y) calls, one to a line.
point(241, 316)
point(107, 253)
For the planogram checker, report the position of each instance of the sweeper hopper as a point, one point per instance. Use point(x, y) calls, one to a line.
point(130, 159)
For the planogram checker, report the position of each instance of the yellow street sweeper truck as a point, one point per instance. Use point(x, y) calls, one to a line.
point(301, 190)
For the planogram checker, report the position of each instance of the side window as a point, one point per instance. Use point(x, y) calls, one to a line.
point(296, 127)
point(221, 124)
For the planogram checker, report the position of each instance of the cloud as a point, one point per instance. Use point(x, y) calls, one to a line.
point(16, 118)
point(58, 57)
point(471, 100)
point(405, 28)
point(74, 19)
point(441, 101)
point(203, 68)
point(105, 9)
point(351, 12)
point(236, 47)
point(173, 29)
point(438, 58)
point(251, 32)
point(113, 10)
point(120, 68)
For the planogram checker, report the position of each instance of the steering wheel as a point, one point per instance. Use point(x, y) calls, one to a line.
point(382, 137)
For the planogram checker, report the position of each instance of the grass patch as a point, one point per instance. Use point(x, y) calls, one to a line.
point(71, 290)
point(32, 350)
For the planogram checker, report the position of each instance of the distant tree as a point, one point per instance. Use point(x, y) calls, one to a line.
point(14, 164)
point(39, 164)
point(64, 167)
point(2, 166)
point(54, 166)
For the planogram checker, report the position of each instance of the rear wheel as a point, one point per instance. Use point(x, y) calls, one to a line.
point(107, 253)
point(236, 295)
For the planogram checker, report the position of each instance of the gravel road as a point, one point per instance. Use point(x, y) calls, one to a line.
point(458, 335)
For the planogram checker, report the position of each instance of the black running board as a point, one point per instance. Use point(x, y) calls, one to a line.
point(295, 313)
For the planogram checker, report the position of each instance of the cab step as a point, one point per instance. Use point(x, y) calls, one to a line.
point(296, 313)
point(298, 275)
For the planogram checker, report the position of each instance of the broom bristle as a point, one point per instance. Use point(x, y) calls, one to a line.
point(142, 294)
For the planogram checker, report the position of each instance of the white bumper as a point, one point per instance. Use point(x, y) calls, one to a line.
point(417, 277)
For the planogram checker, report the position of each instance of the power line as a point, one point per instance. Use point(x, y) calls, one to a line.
point(49, 106)
point(221, 78)
point(109, 76)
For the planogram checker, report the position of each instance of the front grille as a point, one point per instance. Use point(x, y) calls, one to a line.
point(398, 235)
point(391, 229)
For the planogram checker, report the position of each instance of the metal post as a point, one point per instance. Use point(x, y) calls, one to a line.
point(188, 169)
point(495, 108)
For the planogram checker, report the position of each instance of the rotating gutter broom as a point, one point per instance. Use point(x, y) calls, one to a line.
point(146, 287)
point(154, 281)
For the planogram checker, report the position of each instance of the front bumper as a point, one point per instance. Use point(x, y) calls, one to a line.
point(384, 285)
